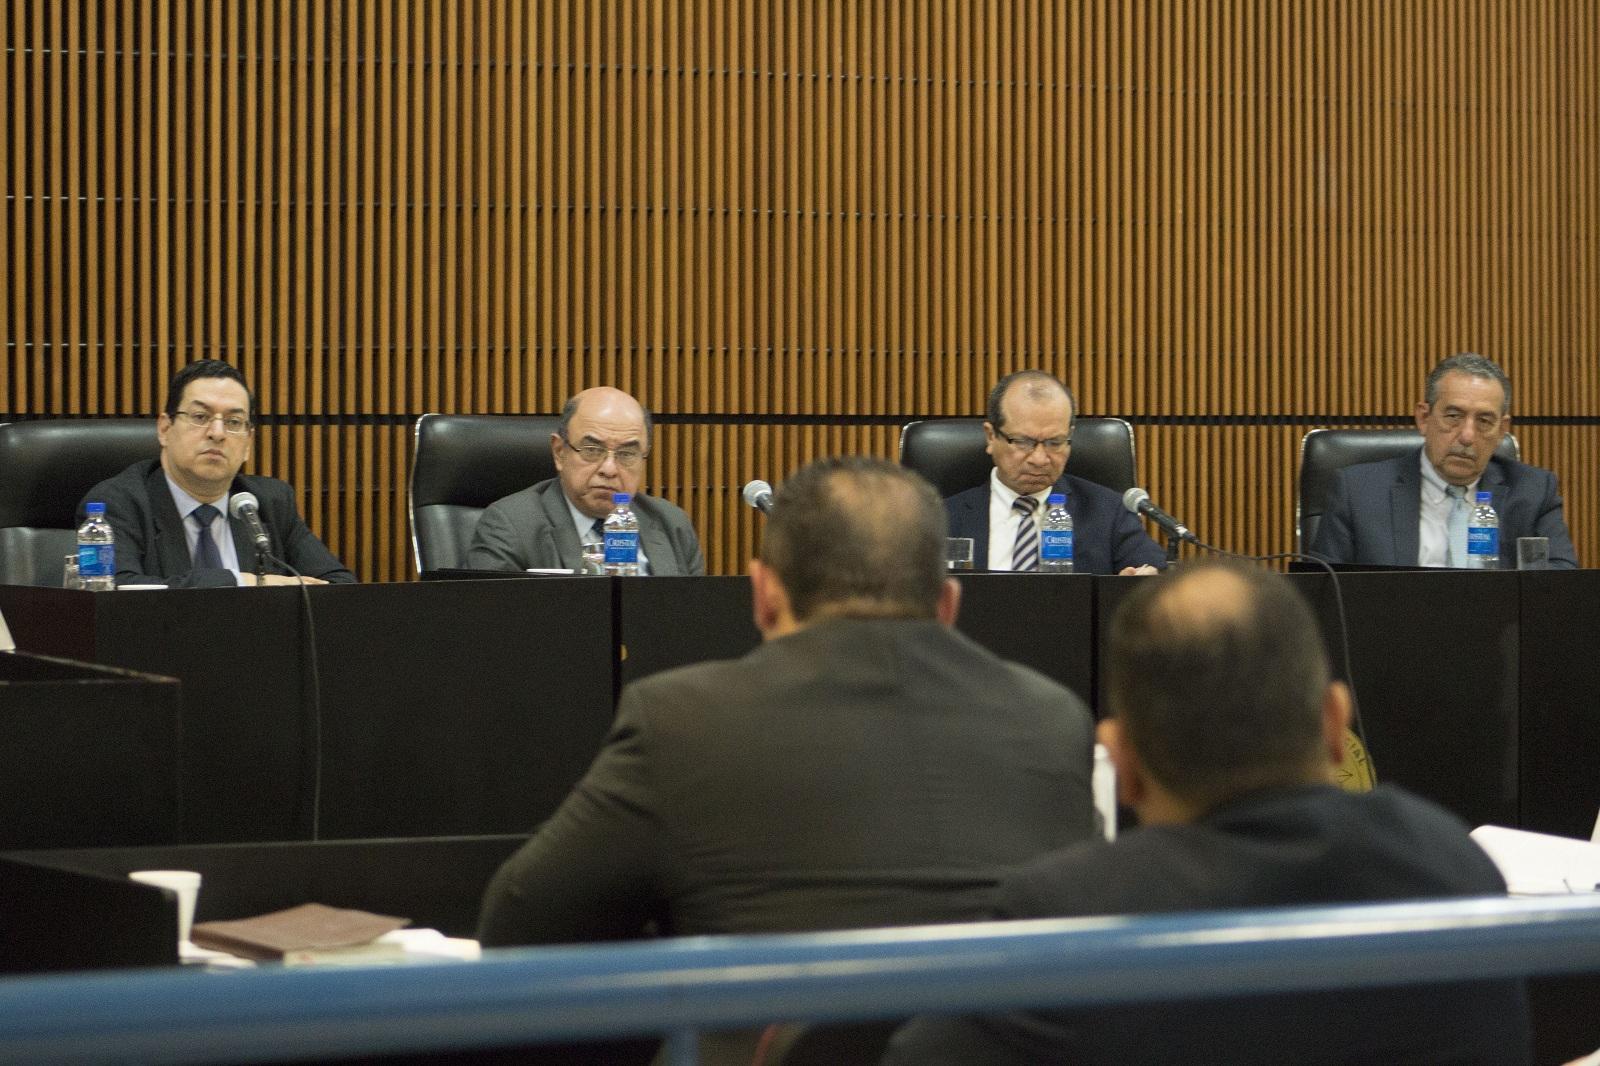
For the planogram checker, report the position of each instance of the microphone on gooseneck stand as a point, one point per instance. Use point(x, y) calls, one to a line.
point(1137, 500)
point(758, 494)
point(246, 508)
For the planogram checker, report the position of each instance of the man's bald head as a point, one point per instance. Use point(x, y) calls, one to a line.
point(1217, 675)
point(610, 423)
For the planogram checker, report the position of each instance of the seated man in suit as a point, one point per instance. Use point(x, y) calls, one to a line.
point(1225, 732)
point(866, 765)
point(1413, 510)
point(170, 515)
point(600, 447)
point(1030, 437)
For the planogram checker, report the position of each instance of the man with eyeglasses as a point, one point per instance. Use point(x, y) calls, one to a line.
point(1413, 510)
point(600, 447)
point(1029, 428)
point(170, 515)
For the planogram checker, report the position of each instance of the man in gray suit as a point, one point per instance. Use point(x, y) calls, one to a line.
point(1398, 512)
point(867, 765)
point(600, 447)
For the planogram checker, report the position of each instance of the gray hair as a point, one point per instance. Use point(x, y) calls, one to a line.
point(1478, 366)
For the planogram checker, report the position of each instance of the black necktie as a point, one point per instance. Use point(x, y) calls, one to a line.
point(206, 555)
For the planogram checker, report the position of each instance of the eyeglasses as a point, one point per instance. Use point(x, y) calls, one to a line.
point(595, 454)
point(1053, 445)
point(232, 425)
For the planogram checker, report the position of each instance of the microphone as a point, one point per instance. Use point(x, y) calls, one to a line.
point(758, 494)
point(1138, 501)
point(245, 507)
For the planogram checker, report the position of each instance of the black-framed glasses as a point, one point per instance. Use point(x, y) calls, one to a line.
point(232, 425)
point(1053, 445)
point(627, 457)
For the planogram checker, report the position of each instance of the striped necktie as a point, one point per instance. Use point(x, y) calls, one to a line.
point(1025, 556)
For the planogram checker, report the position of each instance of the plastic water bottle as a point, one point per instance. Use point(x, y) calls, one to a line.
point(1483, 535)
point(622, 538)
point(1055, 537)
point(97, 551)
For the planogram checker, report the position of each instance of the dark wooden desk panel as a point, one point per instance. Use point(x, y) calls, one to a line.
point(1560, 716)
point(1045, 621)
point(450, 707)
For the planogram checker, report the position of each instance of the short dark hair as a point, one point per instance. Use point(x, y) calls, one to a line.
point(1220, 687)
point(570, 408)
point(857, 537)
point(206, 368)
point(1039, 384)
point(1478, 366)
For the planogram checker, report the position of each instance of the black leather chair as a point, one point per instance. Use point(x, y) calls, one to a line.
point(1322, 451)
point(462, 464)
point(949, 452)
point(45, 469)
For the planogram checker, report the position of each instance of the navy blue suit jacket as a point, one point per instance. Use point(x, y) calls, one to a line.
point(1105, 536)
point(1373, 511)
point(153, 549)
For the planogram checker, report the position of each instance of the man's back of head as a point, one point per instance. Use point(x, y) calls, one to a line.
point(1219, 682)
point(857, 537)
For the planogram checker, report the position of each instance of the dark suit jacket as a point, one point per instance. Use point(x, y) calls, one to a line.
point(1373, 510)
point(152, 548)
point(855, 773)
point(533, 528)
point(1105, 535)
point(1306, 847)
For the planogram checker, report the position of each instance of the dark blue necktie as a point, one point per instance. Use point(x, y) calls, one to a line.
point(206, 556)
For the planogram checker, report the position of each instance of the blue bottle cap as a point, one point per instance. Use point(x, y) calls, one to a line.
point(94, 508)
point(620, 498)
point(1484, 497)
point(1056, 497)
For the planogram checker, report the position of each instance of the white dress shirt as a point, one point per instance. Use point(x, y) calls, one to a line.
point(1433, 525)
point(1004, 521)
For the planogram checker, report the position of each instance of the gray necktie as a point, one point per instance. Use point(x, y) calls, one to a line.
point(1025, 556)
point(206, 555)
point(1456, 526)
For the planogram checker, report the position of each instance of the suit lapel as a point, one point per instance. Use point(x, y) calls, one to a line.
point(657, 546)
point(568, 550)
point(1405, 509)
point(172, 545)
point(242, 543)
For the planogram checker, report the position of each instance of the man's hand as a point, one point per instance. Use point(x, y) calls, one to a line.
point(1137, 571)
point(281, 579)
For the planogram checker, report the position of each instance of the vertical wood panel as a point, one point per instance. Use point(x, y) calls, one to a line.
point(784, 226)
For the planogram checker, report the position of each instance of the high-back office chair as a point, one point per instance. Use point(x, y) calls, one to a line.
point(949, 453)
point(463, 464)
point(45, 468)
point(1323, 451)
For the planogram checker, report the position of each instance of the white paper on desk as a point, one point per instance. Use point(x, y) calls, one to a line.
point(1538, 864)
point(6, 643)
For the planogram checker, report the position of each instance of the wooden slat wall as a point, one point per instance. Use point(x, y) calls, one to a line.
point(786, 226)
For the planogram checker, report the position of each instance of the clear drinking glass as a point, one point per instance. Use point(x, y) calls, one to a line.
point(958, 553)
point(69, 572)
point(1533, 553)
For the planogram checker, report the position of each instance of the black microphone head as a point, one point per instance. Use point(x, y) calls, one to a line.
point(755, 491)
point(1133, 498)
point(241, 502)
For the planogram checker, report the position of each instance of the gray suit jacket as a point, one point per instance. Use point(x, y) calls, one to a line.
point(853, 774)
point(1373, 511)
point(533, 528)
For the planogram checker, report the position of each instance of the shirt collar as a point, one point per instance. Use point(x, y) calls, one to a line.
point(580, 521)
point(187, 503)
point(1007, 495)
point(1439, 486)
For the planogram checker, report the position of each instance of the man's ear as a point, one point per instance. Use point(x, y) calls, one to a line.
point(769, 600)
point(1131, 784)
point(1336, 706)
point(949, 602)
